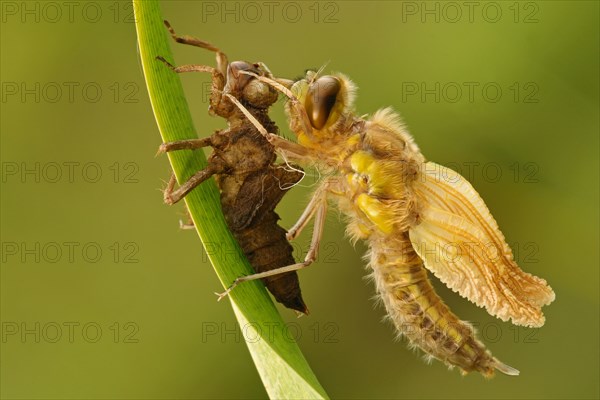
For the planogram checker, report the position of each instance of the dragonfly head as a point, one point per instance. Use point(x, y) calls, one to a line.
point(326, 99)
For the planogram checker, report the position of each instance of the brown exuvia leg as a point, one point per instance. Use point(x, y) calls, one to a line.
point(217, 82)
point(222, 61)
point(172, 195)
point(188, 144)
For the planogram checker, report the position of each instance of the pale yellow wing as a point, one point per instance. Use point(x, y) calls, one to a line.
point(459, 241)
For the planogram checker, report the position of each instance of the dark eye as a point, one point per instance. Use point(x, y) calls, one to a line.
point(320, 99)
point(237, 81)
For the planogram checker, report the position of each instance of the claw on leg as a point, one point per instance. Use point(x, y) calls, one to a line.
point(169, 190)
point(221, 296)
point(186, 226)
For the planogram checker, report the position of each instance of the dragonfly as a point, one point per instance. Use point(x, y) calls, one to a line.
point(415, 215)
point(243, 163)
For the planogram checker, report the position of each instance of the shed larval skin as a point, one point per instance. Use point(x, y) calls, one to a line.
point(243, 164)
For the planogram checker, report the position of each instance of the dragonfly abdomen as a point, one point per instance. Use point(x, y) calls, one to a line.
point(421, 316)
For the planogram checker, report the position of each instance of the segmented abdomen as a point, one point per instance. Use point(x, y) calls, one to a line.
point(267, 248)
point(419, 313)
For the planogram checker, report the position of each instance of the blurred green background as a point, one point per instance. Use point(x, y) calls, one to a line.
point(104, 297)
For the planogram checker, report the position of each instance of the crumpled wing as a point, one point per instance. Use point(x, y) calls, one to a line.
point(460, 242)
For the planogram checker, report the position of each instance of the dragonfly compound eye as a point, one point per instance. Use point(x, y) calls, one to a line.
point(321, 98)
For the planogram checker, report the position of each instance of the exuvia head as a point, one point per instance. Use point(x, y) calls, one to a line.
point(246, 87)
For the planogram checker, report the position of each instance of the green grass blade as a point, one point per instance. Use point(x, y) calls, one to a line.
point(279, 361)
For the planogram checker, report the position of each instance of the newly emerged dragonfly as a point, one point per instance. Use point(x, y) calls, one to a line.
point(243, 164)
point(414, 214)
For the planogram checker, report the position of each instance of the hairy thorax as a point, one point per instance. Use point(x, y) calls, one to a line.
point(375, 183)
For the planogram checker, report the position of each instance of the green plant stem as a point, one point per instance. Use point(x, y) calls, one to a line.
point(279, 361)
